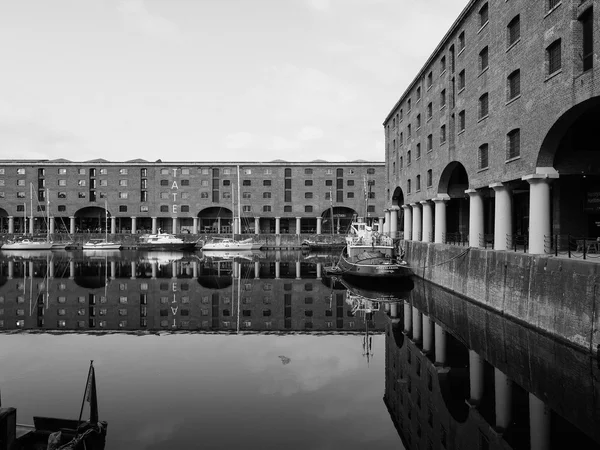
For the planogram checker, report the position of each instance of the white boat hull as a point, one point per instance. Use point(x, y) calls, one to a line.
point(229, 245)
point(102, 246)
point(28, 245)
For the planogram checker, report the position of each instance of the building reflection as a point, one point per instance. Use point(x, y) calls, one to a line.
point(129, 291)
point(459, 376)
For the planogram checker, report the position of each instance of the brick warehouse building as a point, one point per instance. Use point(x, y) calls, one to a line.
point(193, 197)
point(495, 141)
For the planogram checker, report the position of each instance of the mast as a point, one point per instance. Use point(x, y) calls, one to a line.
point(331, 210)
point(48, 215)
point(239, 202)
point(106, 221)
point(31, 205)
point(232, 213)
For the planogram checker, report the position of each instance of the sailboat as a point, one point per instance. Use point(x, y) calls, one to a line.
point(31, 243)
point(102, 244)
point(232, 244)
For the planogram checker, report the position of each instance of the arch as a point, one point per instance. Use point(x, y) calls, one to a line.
point(3, 213)
point(216, 219)
point(214, 212)
point(92, 212)
point(215, 281)
point(576, 129)
point(454, 180)
point(342, 219)
point(398, 197)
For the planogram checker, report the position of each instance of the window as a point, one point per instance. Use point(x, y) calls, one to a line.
point(143, 208)
point(442, 98)
point(20, 195)
point(418, 93)
point(483, 15)
point(430, 142)
point(408, 187)
point(483, 106)
point(81, 194)
point(350, 195)
point(122, 182)
point(81, 171)
point(266, 182)
point(483, 59)
point(247, 171)
point(266, 195)
point(164, 171)
point(513, 31)
point(185, 208)
point(482, 157)
point(185, 182)
point(267, 208)
point(144, 172)
point(185, 195)
point(287, 208)
point(408, 158)
point(308, 209)
point(370, 171)
point(443, 65)
point(204, 194)
point(461, 80)
point(587, 26)
point(553, 57)
point(418, 183)
point(429, 110)
point(418, 151)
point(429, 178)
point(308, 195)
point(308, 171)
point(62, 182)
point(204, 183)
point(123, 194)
point(22, 171)
point(461, 41)
point(122, 208)
point(514, 85)
point(247, 208)
point(442, 134)
point(409, 130)
point(185, 171)
point(247, 183)
point(429, 80)
point(103, 183)
point(461, 121)
point(308, 182)
point(164, 208)
point(418, 121)
point(513, 147)
point(62, 208)
point(350, 182)
point(408, 104)
point(164, 182)
point(122, 171)
point(226, 171)
point(246, 195)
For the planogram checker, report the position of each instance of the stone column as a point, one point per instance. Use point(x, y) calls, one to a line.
point(219, 224)
point(476, 236)
point(407, 222)
point(381, 223)
point(11, 224)
point(319, 225)
point(440, 345)
point(502, 216)
point(277, 225)
point(503, 390)
point(195, 225)
point(386, 223)
point(31, 223)
point(539, 423)
point(319, 270)
point(407, 317)
point(133, 225)
point(277, 270)
point(174, 231)
point(51, 224)
point(154, 225)
point(298, 272)
point(475, 377)
point(154, 266)
point(257, 270)
point(440, 219)
point(427, 334)
point(11, 269)
point(71, 269)
point(51, 268)
point(394, 221)
point(427, 221)
point(133, 270)
point(113, 270)
point(298, 225)
point(257, 225)
point(72, 225)
point(195, 270)
point(539, 211)
point(113, 225)
point(417, 322)
point(416, 222)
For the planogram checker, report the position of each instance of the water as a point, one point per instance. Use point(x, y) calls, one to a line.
point(268, 352)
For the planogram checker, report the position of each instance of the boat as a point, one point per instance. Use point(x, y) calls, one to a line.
point(322, 243)
point(229, 244)
point(67, 434)
point(165, 241)
point(249, 255)
point(31, 243)
point(102, 244)
point(370, 255)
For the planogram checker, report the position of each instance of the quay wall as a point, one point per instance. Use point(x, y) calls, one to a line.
point(558, 296)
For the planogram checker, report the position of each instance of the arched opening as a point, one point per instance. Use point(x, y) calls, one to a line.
point(571, 147)
point(454, 181)
point(3, 220)
point(92, 219)
point(342, 219)
point(398, 200)
point(216, 220)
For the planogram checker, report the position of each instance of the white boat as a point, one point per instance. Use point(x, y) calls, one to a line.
point(102, 244)
point(31, 243)
point(165, 241)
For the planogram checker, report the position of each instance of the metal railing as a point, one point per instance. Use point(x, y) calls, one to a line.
point(572, 246)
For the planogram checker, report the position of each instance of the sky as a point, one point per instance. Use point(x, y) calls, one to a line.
point(209, 80)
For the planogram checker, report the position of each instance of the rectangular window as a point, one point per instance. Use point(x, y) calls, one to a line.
point(103, 182)
point(461, 41)
point(429, 79)
point(418, 121)
point(185, 208)
point(308, 195)
point(247, 171)
point(514, 85)
point(443, 64)
point(247, 208)
point(308, 182)
point(267, 208)
point(553, 4)
point(123, 171)
point(62, 182)
point(483, 106)
point(408, 187)
point(483, 59)
point(185, 182)
point(122, 208)
point(408, 158)
point(247, 183)
point(164, 171)
point(62, 171)
point(482, 157)
point(418, 183)
point(429, 142)
point(308, 209)
point(123, 194)
point(350, 195)
point(266, 182)
point(587, 26)
point(225, 195)
point(442, 134)
point(461, 121)
point(461, 80)
point(554, 57)
point(429, 178)
point(122, 182)
point(513, 31)
point(21, 171)
point(418, 93)
point(429, 110)
point(143, 208)
point(483, 15)
point(513, 149)
point(418, 151)
point(442, 98)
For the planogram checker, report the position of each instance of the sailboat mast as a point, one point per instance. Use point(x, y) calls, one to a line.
point(31, 207)
point(48, 215)
point(239, 202)
point(105, 221)
point(232, 213)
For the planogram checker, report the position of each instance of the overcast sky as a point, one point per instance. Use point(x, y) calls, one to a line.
point(220, 80)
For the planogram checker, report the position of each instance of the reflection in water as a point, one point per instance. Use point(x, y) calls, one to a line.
point(460, 376)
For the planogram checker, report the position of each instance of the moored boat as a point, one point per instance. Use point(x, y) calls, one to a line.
point(370, 254)
point(165, 241)
point(227, 244)
point(101, 244)
point(28, 244)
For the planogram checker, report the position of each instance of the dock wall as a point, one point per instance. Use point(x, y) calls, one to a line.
point(558, 296)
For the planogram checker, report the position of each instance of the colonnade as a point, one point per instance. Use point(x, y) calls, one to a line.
point(431, 337)
point(425, 221)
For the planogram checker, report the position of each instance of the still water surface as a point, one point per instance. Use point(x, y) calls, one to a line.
point(268, 352)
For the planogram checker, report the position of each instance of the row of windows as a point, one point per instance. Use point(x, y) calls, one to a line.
point(182, 171)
